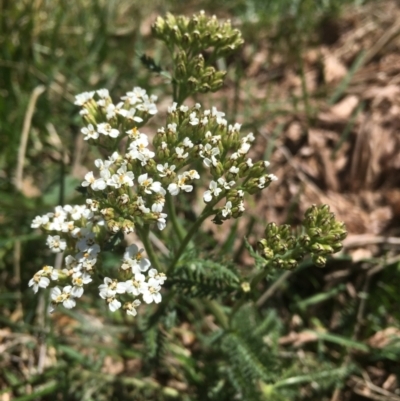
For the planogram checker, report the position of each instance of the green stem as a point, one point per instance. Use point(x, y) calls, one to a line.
point(144, 236)
point(206, 212)
point(218, 313)
point(179, 230)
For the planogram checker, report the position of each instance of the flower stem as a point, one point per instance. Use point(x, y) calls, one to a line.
point(206, 212)
point(178, 228)
point(144, 236)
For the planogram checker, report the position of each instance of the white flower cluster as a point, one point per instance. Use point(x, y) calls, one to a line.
point(192, 135)
point(135, 107)
point(77, 228)
point(134, 265)
point(131, 181)
point(129, 189)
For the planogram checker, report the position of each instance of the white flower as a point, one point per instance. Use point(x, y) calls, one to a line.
point(86, 241)
point(39, 221)
point(249, 137)
point(96, 184)
point(87, 265)
point(130, 307)
point(214, 191)
point(261, 182)
point(135, 96)
point(65, 297)
point(148, 107)
point(51, 272)
point(141, 205)
point(158, 204)
point(172, 127)
point(130, 115)
point(107, 130)
point(56, 244)
point(225, 184)
point(180, 153)
point(244, 148)
point(38, 281)
point(112, 110)
point(165, 170)
point(135, 135)
point(82, 98)
point(113, 304)
point(148, 185)
point(234, 128)
point(103, 166)
point(79, 281)
point(151, 291)
point(227, 210)
point(103, 93)
point(172, 108)
point(134, 258)
point(193, 120)
point(234, 170)
point(160, 277)
point(111, 287)
point(161, 218)
point(135, 285)
point(123, 177)
point(192, 174)
point(88, 254)
point(89, 132)
point(208, 153)
point(70, 262)
point(180, 184)
point(139, 151)
point(187, 143)
point(216, 113)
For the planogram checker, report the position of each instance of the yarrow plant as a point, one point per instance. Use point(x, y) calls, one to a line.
point(132, 188)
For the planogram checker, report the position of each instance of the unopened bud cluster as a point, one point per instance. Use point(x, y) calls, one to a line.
point(190, 40)
point(322, 235)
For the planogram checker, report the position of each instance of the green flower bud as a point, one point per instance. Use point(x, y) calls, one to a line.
point(290, 264)
point(128, 226)
point(279, 263)
point(304, 240)
point(193, 83)
point(319, 260)
point(316, 248)
point(180, 71)
point(113, 226)
point(314, 232)
point(108, 213)
point(186, 39)
point(268, 253)
point(271, 230)
point(204, 88)
point(216, 85)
